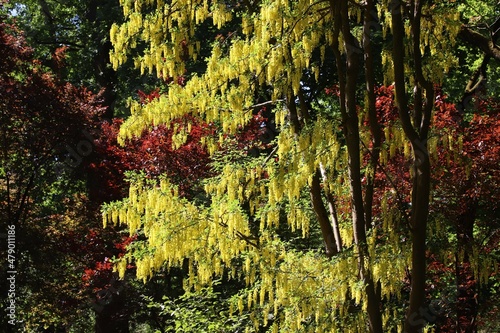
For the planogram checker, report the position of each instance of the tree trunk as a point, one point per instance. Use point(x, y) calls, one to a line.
point(322, 215)
point(416, 314)
point(348, 70)
point(333, 210)
point(103, 71)
point(315, 190)
point(371, 23)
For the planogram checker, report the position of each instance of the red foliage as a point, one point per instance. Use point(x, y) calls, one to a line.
point(467, 180)
point(58, 57)
point(146, 98)
point(45, 123)
point(249, 137)
point(472, 173)
point(36, 98)
point(333, 90)
point(387, 112)
point(151, 153)
point(99, 275)
point(154, 154)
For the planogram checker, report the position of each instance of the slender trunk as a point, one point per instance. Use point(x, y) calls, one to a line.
point(415, 317)
point(358, 220)
point(371, 22)
point(348, 70)
point(24, 199)
point(103, 71)
point(333, 211)
point(322, 215)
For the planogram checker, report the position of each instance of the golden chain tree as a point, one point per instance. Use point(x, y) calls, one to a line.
point(275, 43)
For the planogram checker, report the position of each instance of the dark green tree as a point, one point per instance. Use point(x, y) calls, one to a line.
point(81, 30)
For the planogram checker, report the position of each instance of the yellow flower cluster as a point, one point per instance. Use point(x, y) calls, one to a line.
point(279, 44)
point(172, 226)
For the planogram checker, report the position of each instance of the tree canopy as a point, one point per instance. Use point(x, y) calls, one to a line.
point(287, 166)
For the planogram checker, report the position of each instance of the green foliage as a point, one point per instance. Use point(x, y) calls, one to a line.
point(195, 311)
point(72, 38)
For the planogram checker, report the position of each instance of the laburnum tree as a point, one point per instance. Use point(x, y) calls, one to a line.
point(331, 167)
point(178, 153)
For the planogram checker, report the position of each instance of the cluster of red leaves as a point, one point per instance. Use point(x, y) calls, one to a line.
point(446, 115)
point(467, 179)
point(387, 112)
point(333, 90)
point(58, 58)
point(146, 98)
point(482, 143)
point(37, 111)
point(252, 135)
point(152, 153)
point(472, 173)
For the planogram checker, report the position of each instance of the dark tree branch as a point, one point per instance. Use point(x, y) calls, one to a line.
point(371, 22)
point(495, 29)
point(399, 72)
point(490, 49)
point(49, 19)
point(485, 44)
